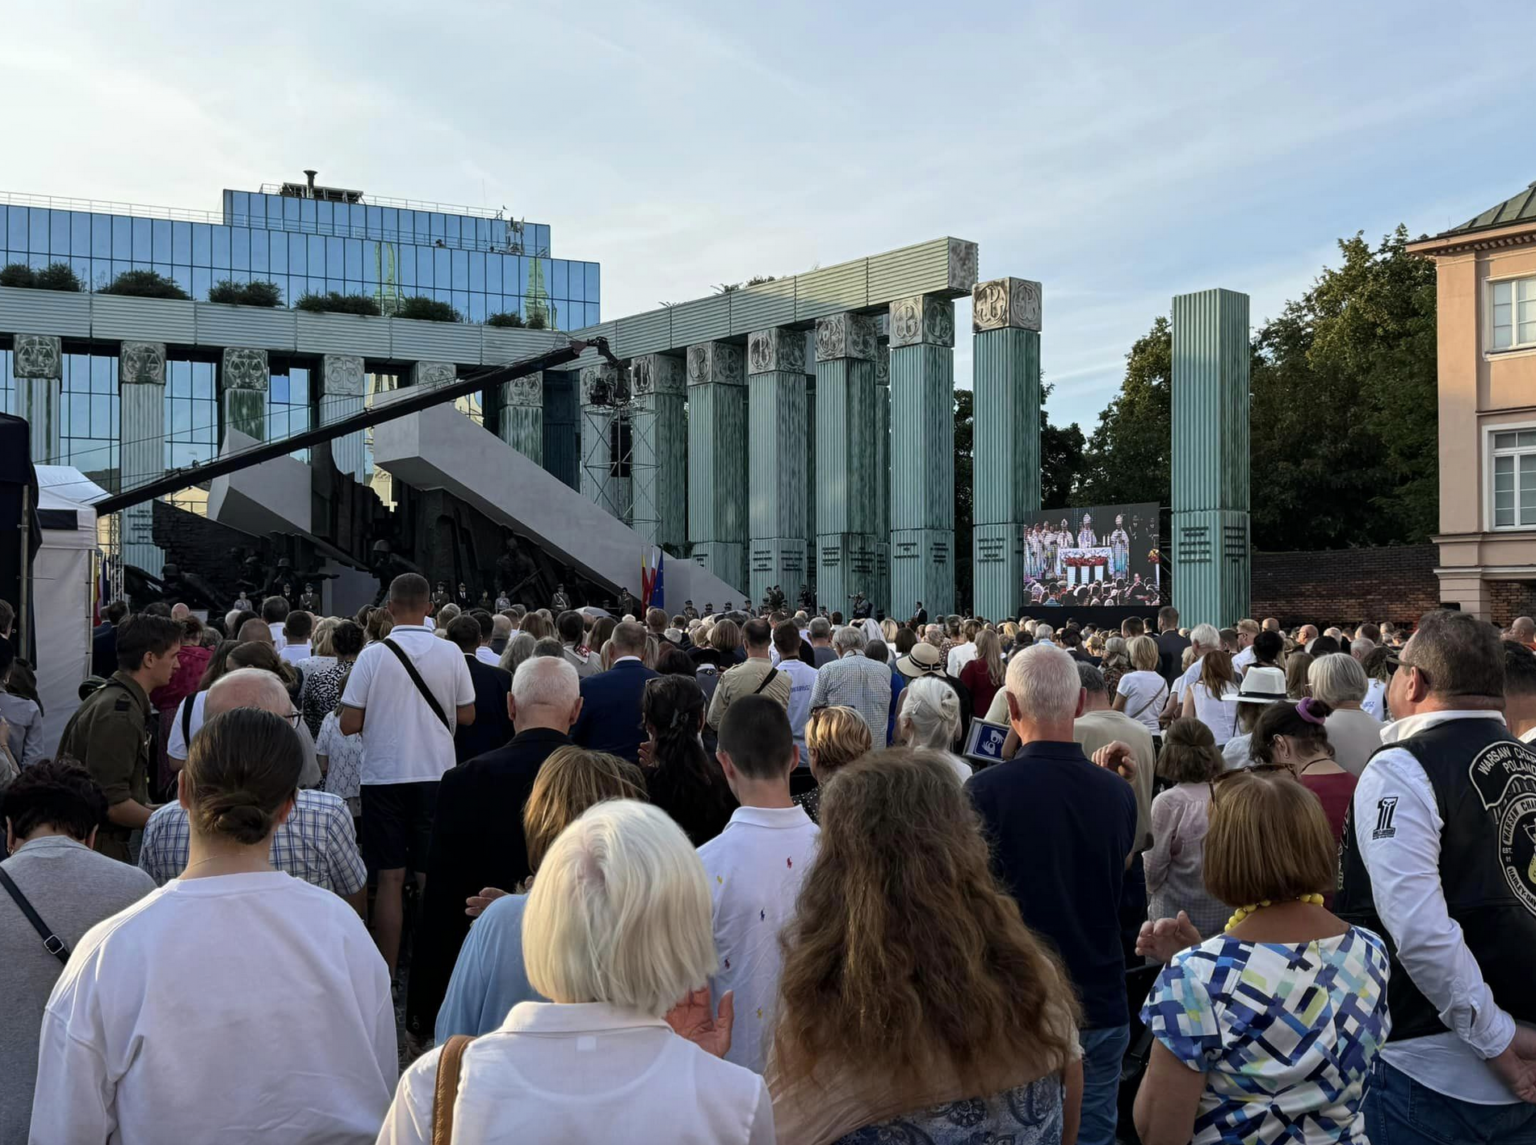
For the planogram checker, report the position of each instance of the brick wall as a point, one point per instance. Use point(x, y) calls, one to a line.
point(1397, 583)
point(1509, 599)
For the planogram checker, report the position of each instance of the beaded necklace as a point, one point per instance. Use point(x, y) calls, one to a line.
point(1243, 912)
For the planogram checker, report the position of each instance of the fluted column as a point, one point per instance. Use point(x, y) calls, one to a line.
point(882, 593)
point(341, 395)
point(520, 422)
point(1005, 319)
point(141, 445)
point(777, 455)
point(245, 380)
point(922, 454)
point(601, 473)
point(717, 456)
point(37, 364)
point(846, 490)
point(659, 470)
point(1211, 563)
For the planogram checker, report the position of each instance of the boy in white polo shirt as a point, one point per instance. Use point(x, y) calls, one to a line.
point(406, 694)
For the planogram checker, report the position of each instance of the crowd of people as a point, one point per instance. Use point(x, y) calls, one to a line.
point(433, 873)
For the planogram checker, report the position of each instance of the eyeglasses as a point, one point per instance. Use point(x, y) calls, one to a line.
point(294, 717)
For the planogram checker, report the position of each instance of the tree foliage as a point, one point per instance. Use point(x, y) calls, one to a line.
point(427, 310)
point(1342, 419)
point(260, 293)
point(145, 284)
point(334, 302)
point(508, 318)
point(54, 276)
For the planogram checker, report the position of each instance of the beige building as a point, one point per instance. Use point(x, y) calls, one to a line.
point(1486, 317)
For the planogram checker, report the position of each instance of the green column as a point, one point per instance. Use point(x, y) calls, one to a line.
point(1210, 457)
point(777, 455)
point(922, 455)
point(658, 474)
point(882, 592)
point(1005, 319)
point(37, 364)
point(244, 381)
point(141, 445)
point(845, 458)
point(520, 421)
point(810, 473)
point(717, 456)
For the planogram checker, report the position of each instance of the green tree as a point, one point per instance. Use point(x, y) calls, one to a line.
point(1126, 458)
point(426, 309)
point(334, 302)
point(144, 284)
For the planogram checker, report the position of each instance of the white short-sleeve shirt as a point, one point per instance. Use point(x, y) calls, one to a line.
point(403, 741)
point(176, 743)
point(1146, 693)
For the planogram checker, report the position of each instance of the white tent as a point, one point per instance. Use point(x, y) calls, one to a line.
point(63, 591)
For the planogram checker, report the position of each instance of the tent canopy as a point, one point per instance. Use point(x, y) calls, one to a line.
point(62, 591)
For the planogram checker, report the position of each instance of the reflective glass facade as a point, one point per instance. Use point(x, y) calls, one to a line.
point(478, 265)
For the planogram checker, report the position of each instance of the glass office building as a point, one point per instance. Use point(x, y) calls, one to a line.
point(479, 262)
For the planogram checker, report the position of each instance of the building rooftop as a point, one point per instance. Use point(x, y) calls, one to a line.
point(1518, 208)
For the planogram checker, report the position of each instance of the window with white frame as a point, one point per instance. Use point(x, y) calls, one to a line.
point(1514, 478)
point(1514, 313)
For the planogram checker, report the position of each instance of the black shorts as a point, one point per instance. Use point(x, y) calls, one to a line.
point(397, 824)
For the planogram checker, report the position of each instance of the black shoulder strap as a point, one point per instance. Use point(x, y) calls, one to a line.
point(52, 943)
point(772, 672)
point(186, 721)
point(421, 685)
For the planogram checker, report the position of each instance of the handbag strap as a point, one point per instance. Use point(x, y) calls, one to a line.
point(186, 721)
point(52, 943)
point(450, 1065)
point(421, 685)
point(768, 679)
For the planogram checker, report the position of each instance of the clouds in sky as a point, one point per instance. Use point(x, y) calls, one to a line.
point(1120, 154)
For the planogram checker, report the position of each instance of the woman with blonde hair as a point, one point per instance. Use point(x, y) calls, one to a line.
point(1141, 692)
point(834, 738)
point(1298, 667)
point(860, 1054)
point(930, 718)
point(1269, 1030)
point(983, 676)
point(489, 977)
point(617, 933)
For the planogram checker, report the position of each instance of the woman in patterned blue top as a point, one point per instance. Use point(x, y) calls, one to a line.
point(1265, 1033)
point(914, 1004)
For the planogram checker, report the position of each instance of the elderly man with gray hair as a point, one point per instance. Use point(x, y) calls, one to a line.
point(855, 681)
point(317, 843)
point(1063, 832)
point(477, 835)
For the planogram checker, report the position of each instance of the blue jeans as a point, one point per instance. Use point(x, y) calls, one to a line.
point(1103, 1050)
point(1400, 1111)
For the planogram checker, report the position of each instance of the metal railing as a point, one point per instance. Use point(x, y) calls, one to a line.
point(513, 245)
point(406, 204)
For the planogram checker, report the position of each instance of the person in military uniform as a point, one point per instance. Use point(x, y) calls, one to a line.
point(776, 599)
point(862, 609)
point(485, 599)
point(440, 597)
point(807, 600)
point(310, 601)
point(111, 734)
point(561, 601)
point(689, 612)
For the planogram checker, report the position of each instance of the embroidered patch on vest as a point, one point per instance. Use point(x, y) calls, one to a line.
point(1504, 775)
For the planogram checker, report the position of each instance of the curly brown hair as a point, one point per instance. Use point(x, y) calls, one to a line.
point(871, 991)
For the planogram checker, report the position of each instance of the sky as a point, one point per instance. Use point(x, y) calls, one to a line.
point(1119, 154)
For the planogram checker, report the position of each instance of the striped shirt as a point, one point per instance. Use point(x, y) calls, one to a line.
point(318, 844)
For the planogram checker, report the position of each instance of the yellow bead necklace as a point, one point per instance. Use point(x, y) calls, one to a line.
point(1243, 912)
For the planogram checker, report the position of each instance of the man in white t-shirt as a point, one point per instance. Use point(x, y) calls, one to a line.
point(756, 866)
point(296, 632)
point(802, 678)
point(407, 744)
point(274, 611)
point(1246, 631)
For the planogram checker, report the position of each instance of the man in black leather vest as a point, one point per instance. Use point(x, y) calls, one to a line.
point(1439, 856)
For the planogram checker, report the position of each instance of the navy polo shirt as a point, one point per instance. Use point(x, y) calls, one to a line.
point(1060, 829)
